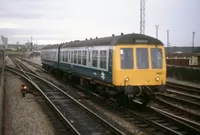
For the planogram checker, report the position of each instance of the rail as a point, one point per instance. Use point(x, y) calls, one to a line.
point(106, 124)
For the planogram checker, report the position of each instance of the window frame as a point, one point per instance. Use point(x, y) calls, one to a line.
point(157, 59)
point(96, 58)
point(105, 58)
point(124, 61)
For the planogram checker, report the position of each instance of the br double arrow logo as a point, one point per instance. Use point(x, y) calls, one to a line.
point(102, 75)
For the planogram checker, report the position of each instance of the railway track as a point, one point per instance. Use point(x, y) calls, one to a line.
point(185, 97)
point(177, 110)
point(78, 118)
point(186, 100)
point(22, 66)
point(32, 63)
point(179, 101)
point(150, 119)
point(156, 121)
point(184, 88)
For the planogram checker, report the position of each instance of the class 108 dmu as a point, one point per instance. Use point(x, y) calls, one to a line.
point(123, 66)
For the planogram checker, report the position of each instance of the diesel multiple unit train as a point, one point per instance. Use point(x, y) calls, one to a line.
point(126, 66)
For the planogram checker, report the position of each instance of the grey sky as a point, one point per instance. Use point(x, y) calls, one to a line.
point(55, 21)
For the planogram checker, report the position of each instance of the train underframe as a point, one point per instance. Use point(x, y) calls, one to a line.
point(123, 94)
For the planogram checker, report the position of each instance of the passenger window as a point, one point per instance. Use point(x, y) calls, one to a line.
point(51, 56)
point(69, 56)
point(61, 55)
point(89, 56)
point(79, 57)
point(54, 55)
point(66, 56)
point(142, 58)
point(75, 57)
point(72, 56)
point(84, 58)
point(94, 58)
point(103, 56)
point(126, 58)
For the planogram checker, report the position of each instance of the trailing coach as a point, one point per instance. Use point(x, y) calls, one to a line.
point(130, 66)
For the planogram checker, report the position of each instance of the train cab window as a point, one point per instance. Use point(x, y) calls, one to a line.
point(142, 58)
point(84, 57)
point(95, 58)
point(103, 55)
point(126, 58)
point(72, 56)
point(156, 58)
point(75, 57)
point(79, 57)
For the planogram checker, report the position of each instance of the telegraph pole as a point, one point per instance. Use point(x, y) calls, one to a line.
point(31, 44)
point(142, 16)
point(168, 41)
point(3, 46)
point(157, 30)
point(193, 34)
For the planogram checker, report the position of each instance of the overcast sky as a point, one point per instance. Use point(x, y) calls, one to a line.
point(55, 21)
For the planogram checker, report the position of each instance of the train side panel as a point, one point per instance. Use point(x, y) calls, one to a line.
point(71, 60)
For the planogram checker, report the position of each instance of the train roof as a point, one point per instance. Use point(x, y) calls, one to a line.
point(51, 47)
point(113, 40)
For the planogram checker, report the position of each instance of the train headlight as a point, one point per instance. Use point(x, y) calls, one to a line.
point(157, 78)
point(127, 79)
